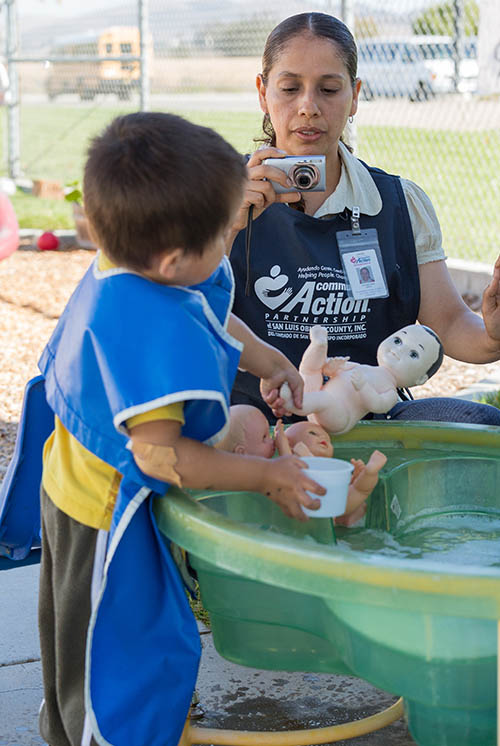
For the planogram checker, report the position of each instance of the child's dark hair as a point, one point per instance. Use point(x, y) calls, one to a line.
point(320, 25)
point(154, 181)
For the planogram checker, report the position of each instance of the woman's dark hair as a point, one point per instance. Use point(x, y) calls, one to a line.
point(320, 25)
point(154, 182)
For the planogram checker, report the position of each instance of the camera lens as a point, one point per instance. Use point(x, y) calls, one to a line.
point(305, 177)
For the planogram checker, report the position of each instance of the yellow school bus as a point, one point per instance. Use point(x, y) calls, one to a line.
point(87, 79)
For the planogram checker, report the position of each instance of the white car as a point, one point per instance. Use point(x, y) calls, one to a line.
point(393, 67)
point(4, 85)
point(438, 53)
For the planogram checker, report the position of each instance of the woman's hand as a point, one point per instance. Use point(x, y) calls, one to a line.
point(491, 305)
point(259, 191)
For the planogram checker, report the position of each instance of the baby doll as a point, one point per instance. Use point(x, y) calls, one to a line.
point(309, 439)
point(248, 432)
point(407, 358)
point(303, 439)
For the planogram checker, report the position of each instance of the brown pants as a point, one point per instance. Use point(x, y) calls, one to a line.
point(68, 550)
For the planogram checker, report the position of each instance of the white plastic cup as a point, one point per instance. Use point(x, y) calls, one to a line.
point(334, 475)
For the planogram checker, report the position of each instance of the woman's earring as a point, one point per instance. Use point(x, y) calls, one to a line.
point(351, 119)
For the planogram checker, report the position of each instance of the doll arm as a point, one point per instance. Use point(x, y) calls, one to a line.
point(359, 465)
point(373, 400)
point(315, 354)
point(282, 444)
point(313, 359)
point(336, 365)
point(363, 482)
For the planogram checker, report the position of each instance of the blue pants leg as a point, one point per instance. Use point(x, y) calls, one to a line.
point(445, 409)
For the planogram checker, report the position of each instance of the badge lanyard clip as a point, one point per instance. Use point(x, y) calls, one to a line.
point(355, 220)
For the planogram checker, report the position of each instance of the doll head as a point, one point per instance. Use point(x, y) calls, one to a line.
point(248, 432)
point(315, 437)
point(413, 354)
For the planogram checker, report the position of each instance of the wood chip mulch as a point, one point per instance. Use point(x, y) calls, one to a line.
point(34, 288)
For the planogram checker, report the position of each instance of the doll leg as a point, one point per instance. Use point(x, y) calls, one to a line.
point(325, 410)
point(314, 358)
point(365, 482)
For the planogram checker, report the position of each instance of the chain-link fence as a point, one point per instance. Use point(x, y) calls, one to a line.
point(430, 107)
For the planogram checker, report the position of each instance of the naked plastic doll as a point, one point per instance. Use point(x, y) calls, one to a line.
point(408, 357)
point(248, 432)
point(310, 439)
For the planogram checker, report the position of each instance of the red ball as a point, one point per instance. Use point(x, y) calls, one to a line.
point(47, 242)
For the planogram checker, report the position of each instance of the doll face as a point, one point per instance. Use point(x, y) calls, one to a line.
point(313, 436)
point(408, 354)
point(258, 440)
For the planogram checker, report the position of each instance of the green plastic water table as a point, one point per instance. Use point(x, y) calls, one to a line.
point(410, 602)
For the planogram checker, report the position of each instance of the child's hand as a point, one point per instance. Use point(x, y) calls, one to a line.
point(270, 386)
point(285, 481)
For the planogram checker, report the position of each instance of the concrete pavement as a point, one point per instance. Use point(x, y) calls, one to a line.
point(233, 696)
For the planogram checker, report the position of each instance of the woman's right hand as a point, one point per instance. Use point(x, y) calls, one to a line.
point(259, 190)
point(284, 480)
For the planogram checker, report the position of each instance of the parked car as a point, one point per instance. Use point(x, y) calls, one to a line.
point(393, 67)
point(438, 54)
point(5, 96)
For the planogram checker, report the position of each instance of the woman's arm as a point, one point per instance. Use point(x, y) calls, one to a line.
point(465, 336)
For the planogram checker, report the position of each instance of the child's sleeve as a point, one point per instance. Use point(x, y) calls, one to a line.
point(170, 412)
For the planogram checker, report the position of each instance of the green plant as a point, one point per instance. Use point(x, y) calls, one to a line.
point(440, 19)
point(73, 192)
point(492, 397)
point(198, 609)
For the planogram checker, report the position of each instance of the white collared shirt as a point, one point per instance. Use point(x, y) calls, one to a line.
point(356, 187)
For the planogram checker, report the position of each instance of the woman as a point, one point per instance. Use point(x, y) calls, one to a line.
point(296, 270)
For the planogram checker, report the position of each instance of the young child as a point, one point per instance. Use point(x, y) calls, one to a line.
point(138, 372)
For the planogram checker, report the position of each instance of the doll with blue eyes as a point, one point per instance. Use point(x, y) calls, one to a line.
point(338, 393)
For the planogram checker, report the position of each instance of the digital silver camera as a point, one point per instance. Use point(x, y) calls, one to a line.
point(307, 173)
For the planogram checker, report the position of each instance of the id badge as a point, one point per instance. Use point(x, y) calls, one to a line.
point(362, 263)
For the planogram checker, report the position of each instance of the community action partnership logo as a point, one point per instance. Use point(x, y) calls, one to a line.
point(321, 299)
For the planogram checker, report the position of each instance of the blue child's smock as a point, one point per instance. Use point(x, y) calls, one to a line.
point(125, 345)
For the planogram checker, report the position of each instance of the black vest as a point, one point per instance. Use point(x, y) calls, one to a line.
point(297, 281)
